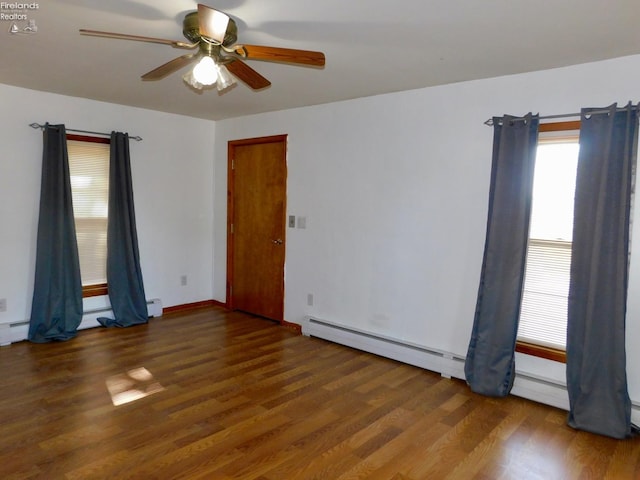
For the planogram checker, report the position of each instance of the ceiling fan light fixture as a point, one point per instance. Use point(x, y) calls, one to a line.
point(191, 81)
point(206, 71)
point(225, 79)
point(207, 74)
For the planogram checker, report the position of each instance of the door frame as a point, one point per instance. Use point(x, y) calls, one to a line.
point(231, 146)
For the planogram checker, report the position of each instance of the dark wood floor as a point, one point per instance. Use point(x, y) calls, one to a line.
point(238, 397)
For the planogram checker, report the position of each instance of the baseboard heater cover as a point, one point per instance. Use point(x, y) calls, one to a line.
point(17, 331)
point(526, 385)
point(446, 363)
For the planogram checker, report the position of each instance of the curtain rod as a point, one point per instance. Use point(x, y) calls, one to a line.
point(41, 127)
point(564, 115)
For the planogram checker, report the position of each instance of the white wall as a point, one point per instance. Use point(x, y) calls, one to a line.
point(172, 178)
point(395, 190)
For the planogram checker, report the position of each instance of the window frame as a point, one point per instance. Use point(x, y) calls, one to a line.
point(528, 348)
point(98, 289)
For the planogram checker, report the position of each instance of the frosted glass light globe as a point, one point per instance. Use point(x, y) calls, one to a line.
point(205, 72)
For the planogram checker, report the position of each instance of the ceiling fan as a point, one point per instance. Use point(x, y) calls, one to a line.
point(214, 34)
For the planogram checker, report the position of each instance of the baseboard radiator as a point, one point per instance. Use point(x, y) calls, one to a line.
point(17, 331)
point(449, 365)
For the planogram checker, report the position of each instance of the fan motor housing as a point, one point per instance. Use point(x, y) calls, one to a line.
point(191, 30)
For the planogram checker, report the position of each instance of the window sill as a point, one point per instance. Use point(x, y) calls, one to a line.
point(541, 351)
point(94, 290)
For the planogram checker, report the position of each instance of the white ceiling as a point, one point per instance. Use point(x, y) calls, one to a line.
point(372, 47)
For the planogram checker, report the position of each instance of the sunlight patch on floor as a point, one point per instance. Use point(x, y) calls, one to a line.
point(131, 386)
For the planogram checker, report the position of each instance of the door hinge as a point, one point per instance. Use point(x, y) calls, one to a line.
point(232, 229)
point(233, 164)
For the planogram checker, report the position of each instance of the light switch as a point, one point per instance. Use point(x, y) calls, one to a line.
point(292, 221)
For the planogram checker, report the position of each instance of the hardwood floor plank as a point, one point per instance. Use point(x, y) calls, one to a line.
point(243, 398)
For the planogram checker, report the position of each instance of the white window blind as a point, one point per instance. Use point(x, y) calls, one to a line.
point(543, 315)
point(89, 171)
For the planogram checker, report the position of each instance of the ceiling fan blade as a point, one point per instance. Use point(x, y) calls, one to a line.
point(212, 23)
point(170, 67)
point(138, 38)
point(275, 54)
point(247, 74)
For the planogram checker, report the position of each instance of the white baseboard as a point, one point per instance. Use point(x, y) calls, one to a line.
point(18, 331)
point(543, 390)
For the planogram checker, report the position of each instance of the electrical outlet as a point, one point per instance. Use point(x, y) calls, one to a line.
point(310, 299)
point(183, 280)
point(3, 304)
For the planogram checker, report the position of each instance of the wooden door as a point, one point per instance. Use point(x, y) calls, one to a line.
point(256, 226)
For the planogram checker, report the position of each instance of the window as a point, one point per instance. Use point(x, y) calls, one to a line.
point(89, 172)
point(543, 317)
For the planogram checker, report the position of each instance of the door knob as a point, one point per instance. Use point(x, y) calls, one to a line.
point(277, 241)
